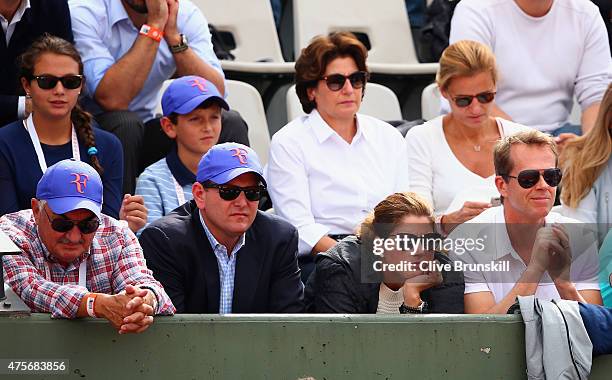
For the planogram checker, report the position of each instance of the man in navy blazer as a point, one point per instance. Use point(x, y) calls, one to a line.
point(218, 253)
point(23, 21)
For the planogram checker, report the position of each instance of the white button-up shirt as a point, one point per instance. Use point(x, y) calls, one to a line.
point(490, 225)
point(324, 185)
point(9, 27)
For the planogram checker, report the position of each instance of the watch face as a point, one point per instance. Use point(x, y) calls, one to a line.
point(183, 39)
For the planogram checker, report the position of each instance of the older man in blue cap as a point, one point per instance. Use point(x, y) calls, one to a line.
point(218, 253)
point(74, 260)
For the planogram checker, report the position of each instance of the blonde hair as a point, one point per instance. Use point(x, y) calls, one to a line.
point(501, 154)
point(465, 58)
point(389, 212)
point(584, 158)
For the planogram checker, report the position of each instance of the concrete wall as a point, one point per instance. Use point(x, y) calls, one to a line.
point(280, 347)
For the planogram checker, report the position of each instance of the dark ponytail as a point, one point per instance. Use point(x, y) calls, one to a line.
point(81, 119)
point(82, 124)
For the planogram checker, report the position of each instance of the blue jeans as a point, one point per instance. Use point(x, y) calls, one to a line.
point(567, 128)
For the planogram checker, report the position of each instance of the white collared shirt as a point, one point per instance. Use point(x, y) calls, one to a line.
point(323, 185)
point(490, 225)
point(9, 27)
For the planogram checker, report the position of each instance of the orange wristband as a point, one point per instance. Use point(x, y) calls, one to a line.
point(151, 32)
point(90, 304)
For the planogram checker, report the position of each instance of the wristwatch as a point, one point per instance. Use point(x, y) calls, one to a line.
point(182, 46)
point(422, 308)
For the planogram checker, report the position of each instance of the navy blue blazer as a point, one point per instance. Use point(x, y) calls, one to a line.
point(43, 16)
point(267, 278)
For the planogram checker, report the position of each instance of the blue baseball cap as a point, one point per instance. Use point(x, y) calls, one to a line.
point(224, 162)
point(69, 185)
point(186, 93)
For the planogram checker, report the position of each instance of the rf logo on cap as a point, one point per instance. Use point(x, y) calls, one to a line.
point(80, 180)
point(241, 154)
point(196, 82)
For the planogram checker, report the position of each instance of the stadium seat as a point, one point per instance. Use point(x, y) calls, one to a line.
point(430, 102)
point(379, 101)
point(252, 26)
point(245, 99)
point(384, 22)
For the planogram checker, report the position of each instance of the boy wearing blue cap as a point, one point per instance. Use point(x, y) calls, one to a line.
point(192, 117)
point(218, 253)
point(76, 261)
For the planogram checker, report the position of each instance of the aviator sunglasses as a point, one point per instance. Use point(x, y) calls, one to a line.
point(463, 101)
point(63, 225)
point(229, 193)
point(48, 82)
point(528, 178)
point(336, 81)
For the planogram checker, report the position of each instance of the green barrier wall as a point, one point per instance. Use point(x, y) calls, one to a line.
point(279, 347)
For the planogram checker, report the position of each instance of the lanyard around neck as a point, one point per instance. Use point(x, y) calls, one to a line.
point(82, 273)
point(29, 126)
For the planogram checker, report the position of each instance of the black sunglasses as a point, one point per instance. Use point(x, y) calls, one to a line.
point(62, 225)
point(430, 241)
point(528, 178)
point(229, 192)
point(335, 82)
point(48, 82)
point(465, 100)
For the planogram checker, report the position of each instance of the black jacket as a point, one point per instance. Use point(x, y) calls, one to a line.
point(336, 285)
point(267, 278)
point(51, 16)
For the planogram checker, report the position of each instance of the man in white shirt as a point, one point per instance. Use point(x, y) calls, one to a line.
point(534, 254)
point(547, 51)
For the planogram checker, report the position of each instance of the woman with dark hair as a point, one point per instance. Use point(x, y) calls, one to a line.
point(51, 73)
point(392, 266)
point(328, 169)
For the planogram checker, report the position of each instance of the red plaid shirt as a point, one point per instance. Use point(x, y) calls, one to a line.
point(114, 261)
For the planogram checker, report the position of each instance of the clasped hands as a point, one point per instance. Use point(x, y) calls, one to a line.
point(129, 311)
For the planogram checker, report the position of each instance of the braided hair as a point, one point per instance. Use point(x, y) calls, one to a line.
point(82, 120)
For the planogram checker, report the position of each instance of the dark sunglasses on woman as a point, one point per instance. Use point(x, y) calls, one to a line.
point(229, 192)
point(528, 178)
point(463, 101)
point(335, 82)
point(48, 82)
point(86, 226)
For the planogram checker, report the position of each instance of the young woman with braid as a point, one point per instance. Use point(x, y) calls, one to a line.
point(51, 73)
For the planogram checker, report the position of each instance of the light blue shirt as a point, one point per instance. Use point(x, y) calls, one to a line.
point(157, 186)
point(227, 268)
point(103, 33)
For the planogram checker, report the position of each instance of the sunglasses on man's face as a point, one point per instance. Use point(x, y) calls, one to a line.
point(463, 101)
point(229, 192)
point(335, 82)
point(63, 225)
point(528, 178)
point(48, 82)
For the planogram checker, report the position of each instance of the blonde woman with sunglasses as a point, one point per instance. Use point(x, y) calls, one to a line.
point(328, 169)
point(450, 158)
